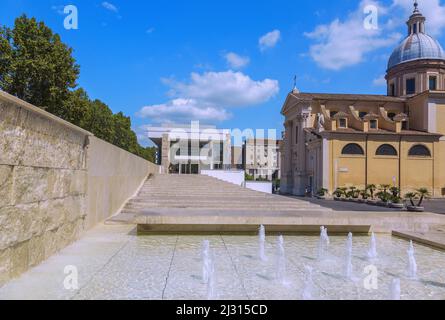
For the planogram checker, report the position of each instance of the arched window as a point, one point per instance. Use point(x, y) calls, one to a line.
point(386, 150)
point(353, 149)
point(419, 151)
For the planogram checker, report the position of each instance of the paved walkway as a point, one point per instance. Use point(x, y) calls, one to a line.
point(433, 206)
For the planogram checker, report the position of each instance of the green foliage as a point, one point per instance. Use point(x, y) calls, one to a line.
point(249, 177)
point(384, 196)
point(364, 194)
point(322, 192)
point(338, 193)
point(411, 196)
point(36, 66)
point(354, 192)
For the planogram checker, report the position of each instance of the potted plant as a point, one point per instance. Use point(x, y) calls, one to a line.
point(364, 196)
point(420, 195)
point(396, 203)
point(321, 194)
point(371, 188)
point(395, 199)
point(345, 194)
point(338, 193)
point(354, 194)
point(349, 195)
point(384, 197)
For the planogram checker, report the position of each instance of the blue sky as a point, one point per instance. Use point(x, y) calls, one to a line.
point(228, 63)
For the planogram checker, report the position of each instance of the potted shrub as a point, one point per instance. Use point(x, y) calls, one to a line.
point(346, 194)
point(321, 194)
point(338, 194)
point(349, 195)
point(395, 199)
point(396, 203)
point(364, 196)
point(354, 194)
point(419, 196)
point(384, 197)
point(371, 188)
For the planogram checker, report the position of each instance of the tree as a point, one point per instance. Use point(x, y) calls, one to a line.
point(36, 66)
point(124, 137)
point(76, 107)
point(99, 120)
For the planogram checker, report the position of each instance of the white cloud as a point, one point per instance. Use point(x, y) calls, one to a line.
point(150, 30)
point(431, 9)
point(109, 6)
point(236, 61)
point(269, 40)
point(227, 89)
point(345, 43)
point(380, 81)
point(182, 110)
point(58, 9)
point(207, 96)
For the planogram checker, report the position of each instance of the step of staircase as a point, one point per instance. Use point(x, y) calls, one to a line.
point(203, 195)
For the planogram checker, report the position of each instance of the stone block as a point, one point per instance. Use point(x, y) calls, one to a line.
point(54, 213)
point(59, 183)
point(19, 259)
point(5, 266)
point(66, 235)
point(30, 185)
point(36, 250)
point(19, 224)
point(5, 185)
point(50, 244)
point(39, 150)
point(11, 144)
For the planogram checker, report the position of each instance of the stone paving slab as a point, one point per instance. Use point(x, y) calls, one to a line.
point(177, 220)
point(434, 238)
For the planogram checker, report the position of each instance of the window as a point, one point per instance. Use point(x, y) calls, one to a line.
point(333, 113)
point(373, 124)
point(410, 86)
point(415, 28)
point(405, 125)
point(386, 150)
point(419, 151)
point(433, 83)
point(352, 149)
point(342, 123)
point(391, 115)
point(362, 114)
point(392, 90)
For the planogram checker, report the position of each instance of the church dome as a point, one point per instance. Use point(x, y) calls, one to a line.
point(417, 45)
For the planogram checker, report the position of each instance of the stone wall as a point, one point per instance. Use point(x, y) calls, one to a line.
point(56, 181)
point(42, 185)
point(114, 175)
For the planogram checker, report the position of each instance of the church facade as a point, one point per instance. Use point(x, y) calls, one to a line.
point(398, 139)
